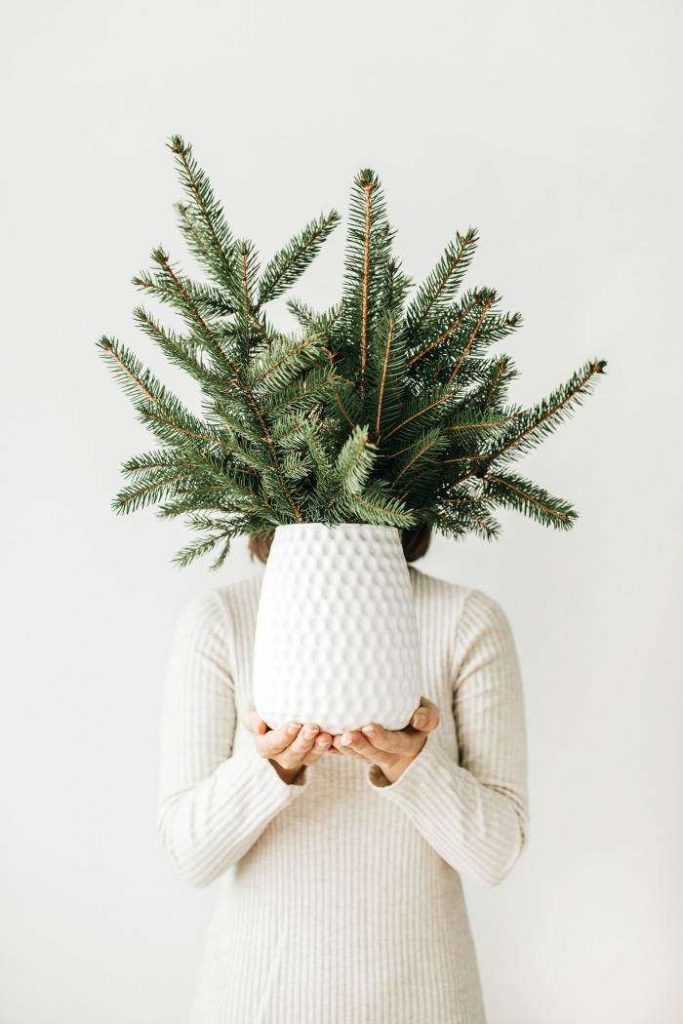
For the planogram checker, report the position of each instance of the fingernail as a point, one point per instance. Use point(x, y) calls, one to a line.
point(310, 731)
point(346, 740)
point(292, 728)
point(324, 741)
point(369, 730)
point(419, 720)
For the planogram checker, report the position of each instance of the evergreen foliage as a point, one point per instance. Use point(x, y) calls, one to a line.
point(385, 409)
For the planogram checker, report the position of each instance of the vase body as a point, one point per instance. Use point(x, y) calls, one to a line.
point(336, 633)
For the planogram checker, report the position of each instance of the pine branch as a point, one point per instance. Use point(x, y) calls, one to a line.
point(474, 422)
point(368, 249)
point(449, 336)
point(136, 381)
point(533, 501)
point(207, 300)
point(467, 509)
point(296, 466)
point(424, 450)
point(374, 508)
point(390, 329)
point(173, 427)
point(279, 363)
point(532, 425)
point(355, 461)
point(209, 233)
point(151, 490)
point(444, 280)
point(447, 393)
point(171, 287)
point(289, 263)
point(471, 341)
point(152, 401)
point(220, 532)
point(484, 525)
point(321, 324)
point(435, 401)
point(316, 389)
point(291, 431)
point(196, 549)
point(248, 318)
point(503, 372)
point(180, 351)
point(236, 374)
point(158, 458)
point(339, 402)
point(455, 322)
point(368, 183)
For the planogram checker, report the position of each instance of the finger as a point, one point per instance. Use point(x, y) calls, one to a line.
point(253, 722)
point(321, 745)
point(276, 740)
point(360, 748)
point(297, 750)
point(427, 716)
point(345, 750)
point(348, 752)
point(356, 743)
point(390, 741)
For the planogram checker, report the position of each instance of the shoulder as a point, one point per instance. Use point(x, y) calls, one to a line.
point(239, 600)
point(483, 612)
point(434, 591)
point(225, 607)
point(471, 609)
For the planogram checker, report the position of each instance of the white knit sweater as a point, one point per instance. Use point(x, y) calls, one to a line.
point(340, 897)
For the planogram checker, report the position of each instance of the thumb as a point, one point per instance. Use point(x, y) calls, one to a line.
point(252, 721)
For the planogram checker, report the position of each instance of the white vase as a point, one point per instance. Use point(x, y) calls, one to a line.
point(336, 633)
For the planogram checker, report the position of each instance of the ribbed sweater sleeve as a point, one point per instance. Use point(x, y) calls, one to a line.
point(214, 803)
point(474, 812)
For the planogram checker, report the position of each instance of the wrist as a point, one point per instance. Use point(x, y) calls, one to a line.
point(288, 775)
point(392, 773)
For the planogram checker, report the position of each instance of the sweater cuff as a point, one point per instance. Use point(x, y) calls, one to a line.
point(273, 792)
point(419, 778)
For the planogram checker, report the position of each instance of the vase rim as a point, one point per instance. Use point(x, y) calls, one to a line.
point(351, 527)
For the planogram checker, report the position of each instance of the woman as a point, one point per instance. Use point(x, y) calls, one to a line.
point(340, 857)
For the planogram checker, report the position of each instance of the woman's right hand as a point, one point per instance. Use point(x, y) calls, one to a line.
point(289, 748)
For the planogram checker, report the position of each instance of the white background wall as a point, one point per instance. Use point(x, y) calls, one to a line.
point(552, 127)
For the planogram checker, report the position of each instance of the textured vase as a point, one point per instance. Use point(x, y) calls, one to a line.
point(336, 633)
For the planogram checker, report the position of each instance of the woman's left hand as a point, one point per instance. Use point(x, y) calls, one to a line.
point(392, 751)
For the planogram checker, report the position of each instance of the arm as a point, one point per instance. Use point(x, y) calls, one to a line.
point(213, 804)
point(474, 813)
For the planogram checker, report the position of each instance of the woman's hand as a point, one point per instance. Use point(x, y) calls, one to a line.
point(288, 748)
point(392, 751)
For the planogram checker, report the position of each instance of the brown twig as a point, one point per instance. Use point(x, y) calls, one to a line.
point(368, 188)
point(383, 378)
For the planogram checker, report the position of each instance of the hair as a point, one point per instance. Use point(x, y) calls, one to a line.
point(414, 539)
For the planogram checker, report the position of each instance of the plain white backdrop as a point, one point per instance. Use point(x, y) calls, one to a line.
point(555, 129)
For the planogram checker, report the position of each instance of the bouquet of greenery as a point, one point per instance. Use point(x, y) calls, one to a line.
point(391, 408)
